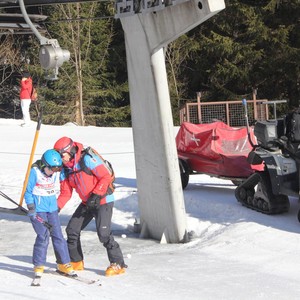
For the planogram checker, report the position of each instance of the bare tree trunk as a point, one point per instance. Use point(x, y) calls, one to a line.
point(79, 98)
point(77, 36)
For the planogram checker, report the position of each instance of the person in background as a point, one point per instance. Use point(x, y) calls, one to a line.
point(25, 97)
point(90, 177)
point(41, 199)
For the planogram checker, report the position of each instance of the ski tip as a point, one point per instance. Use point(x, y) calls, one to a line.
point(35, 284)
point(65, 274)
point(36, 281)
point(76, 277)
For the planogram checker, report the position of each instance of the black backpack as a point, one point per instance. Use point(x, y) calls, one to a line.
point(292, 126)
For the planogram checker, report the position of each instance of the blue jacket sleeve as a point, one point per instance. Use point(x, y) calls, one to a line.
point(30, 185)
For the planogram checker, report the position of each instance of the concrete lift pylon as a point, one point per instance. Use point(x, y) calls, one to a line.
point(148, 28)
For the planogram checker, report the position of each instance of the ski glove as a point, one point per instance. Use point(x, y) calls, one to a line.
point(93, 202)
point(31, 210)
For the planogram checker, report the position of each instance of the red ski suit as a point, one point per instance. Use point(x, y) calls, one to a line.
point(83, 183)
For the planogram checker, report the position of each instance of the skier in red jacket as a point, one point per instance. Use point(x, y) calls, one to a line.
point(89, 176)
point(25, 97)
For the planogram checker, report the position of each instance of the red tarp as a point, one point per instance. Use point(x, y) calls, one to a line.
point(216, 149)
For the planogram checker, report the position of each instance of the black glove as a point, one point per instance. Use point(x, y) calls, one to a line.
point(31, 210)
point(93, 202)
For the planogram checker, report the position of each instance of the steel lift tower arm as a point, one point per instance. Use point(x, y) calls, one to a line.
point(51, 55)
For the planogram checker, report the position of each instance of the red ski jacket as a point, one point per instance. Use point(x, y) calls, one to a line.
point(83, 183)
point(26, 88)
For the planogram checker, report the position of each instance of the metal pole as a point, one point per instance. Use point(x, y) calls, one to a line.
point(41, 38)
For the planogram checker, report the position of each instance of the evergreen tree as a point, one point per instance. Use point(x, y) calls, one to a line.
point(177, 54)
point(251, 44)
point(90, 84)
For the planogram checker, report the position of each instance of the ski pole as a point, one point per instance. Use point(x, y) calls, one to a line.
point(24, 211)
point(41, 220)
point(20, 210)
point(125, 191)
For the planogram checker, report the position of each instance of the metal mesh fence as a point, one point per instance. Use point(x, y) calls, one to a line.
point(230, 112)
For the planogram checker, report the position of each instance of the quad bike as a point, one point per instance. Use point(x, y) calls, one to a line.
point(267, 190)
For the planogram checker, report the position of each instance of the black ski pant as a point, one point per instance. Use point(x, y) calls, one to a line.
point(80, 219)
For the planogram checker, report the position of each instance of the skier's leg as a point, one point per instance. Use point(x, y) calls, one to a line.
point(103, 224)
point(58, 241)
point(41, 242)
point(25, 106)
point(78, 221)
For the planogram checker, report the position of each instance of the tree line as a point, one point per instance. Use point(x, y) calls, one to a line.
point(251, 44)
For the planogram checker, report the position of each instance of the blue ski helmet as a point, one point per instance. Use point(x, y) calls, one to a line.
point(51, 158)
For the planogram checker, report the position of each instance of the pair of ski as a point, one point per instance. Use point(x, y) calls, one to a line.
point(37, 279)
